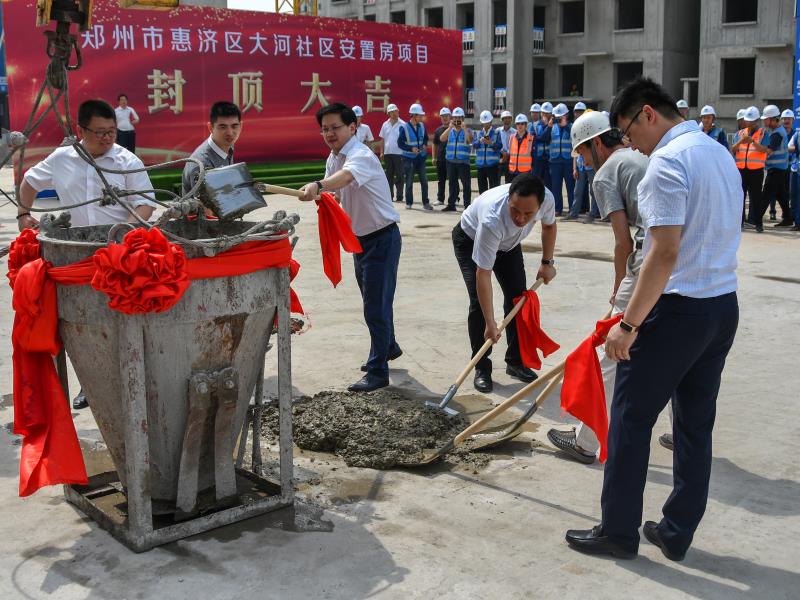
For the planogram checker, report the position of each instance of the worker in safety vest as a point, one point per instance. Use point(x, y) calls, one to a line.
point(787, 119)
point(751, 157)
point(506, 132)
point(707, 117)
point(794, 178)
point(740, 119)
point(487, 145)
point(683, 108)
point(541, 163)
point(561, 158)
point(776, 183)
point(536, 115)
point(413, 142)
point(459, 139)
point(520, 149)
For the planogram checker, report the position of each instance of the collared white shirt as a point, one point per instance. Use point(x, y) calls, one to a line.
point(367, 199)
point(692, 181)
point(124, 118)
point(75, 180)
point(389, 133)
point(505, 136)
point(488, 222)
point(218, 150)
point(364, 133)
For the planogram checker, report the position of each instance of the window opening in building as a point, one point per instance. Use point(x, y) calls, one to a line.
point(538, 84)
point(434, 17)
point(630, 14)
point(626, 72)
point(465, 16)
point(398, 16)
point(738, 75)
point(740, 11)
point(573, 16)
point(572, 80)
point(370, 17)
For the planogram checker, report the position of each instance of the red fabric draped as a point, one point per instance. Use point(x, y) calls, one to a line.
point(583, 394)
point(51, 452)
point(529, 332)
point(335, 229)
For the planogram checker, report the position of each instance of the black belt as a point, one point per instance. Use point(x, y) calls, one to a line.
point(639, 245)
point(374, 234)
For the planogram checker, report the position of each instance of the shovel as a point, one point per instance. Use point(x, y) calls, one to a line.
point(475, 359)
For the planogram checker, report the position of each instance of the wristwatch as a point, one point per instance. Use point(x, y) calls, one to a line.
point(627, 327)
point(320, 187)
point(548, 262)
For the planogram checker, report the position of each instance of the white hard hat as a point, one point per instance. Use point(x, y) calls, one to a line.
point(586, 127)
point(444, 111)
point(579, 106)
point(708, 110)
point(770, 111)
point(506, 113)
point(547, 107)
point(416, 109)
point(458, 111)
point(358, 110)
point(682, 103)
point(740, 114)
point(536, 107)
point(486, 117)
point(520, 118)
point(560, 110)
point(606, 113)
point(391, 107)
point(787, 114)
point(751, 114)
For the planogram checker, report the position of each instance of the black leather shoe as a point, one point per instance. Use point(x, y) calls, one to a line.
point(650, 530)
point(592, 541)
point(522, 373)
point(566, 442)
point(369, 383)
point(391, 356)
point(449, 208)
point(665, 439)
point(80, 401)
point(483, 382)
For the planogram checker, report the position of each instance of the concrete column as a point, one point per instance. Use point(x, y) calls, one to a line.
point(484, 41)
point(520, 55)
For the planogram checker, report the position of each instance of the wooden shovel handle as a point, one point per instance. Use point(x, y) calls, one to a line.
point(277, 189)
point(488, 343)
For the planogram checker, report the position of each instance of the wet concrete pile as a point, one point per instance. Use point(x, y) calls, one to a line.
point(379, 430)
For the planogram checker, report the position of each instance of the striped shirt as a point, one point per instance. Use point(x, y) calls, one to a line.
point(692, 181)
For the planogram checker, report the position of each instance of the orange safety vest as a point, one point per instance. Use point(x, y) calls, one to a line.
point(520, 160)
point(748, 157)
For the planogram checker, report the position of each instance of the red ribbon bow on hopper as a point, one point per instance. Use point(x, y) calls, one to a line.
point(144, 274)
point(335, 229)
point(530, 334)
point(583, 394)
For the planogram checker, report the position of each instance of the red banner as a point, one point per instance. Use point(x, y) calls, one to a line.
point(279, 69)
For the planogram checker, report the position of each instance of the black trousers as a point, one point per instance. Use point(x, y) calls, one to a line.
point(441, 178)
point(127, 139)
point(680, 352)
point(510, 273)
point(459, 172)
point(752, 181)
point(393, 165)
point(488, 177)
point(776, 187)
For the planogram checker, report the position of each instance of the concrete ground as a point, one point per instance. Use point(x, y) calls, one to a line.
point(449, 532)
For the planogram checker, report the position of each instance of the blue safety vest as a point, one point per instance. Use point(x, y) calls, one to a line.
point(415, 139)
point(582, 166)
point(457, 147)
point(794, 157)
point(542, 149)
point(780, 158)
point(560, 144)
point(486, 155)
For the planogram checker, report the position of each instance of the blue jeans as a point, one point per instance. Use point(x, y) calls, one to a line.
point(794, 195)
point(561, 173)
point(583, 190)
point(376, 274)
point(411, 166)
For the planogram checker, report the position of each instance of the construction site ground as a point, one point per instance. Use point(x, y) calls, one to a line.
point(454, 531)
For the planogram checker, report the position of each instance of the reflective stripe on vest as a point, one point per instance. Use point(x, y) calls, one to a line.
point(414, 139)
point(748, 157)
point(560, 144)
point(457, 147)
point(486, 155)
point(542, 149)
point(520, 159)
point(780, 158)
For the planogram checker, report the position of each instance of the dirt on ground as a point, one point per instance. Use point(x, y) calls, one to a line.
point(378, 430)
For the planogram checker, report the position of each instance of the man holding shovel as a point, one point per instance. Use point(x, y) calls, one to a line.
point(487, 240)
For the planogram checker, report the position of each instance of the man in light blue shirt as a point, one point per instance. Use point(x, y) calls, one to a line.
point(677, 329)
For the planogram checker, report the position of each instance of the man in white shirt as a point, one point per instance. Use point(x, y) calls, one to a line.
point(678, 327)
point(363, 132)
point(390, 151)
point(354, 173)
point(487, 240)
point(126, 119)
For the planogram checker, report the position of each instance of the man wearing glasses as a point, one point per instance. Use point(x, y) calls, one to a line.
point(355, 174)
point(75, 180)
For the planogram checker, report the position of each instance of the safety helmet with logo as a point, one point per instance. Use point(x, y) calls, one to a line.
point(560, 110)
point(536, 107)
point(579, 106)
point(682, 103)
point(358, 111)
point(751, 113)
point(416, 109)
point(708, 110)
point(506, 114)
point(444, 111)
point(547, 108)
point(520, 118)
point(787, 114)
point(586, 127)
point(740, 114)
point(458, 112)
point(486, 117)
point(391, 108)
point(771, 112)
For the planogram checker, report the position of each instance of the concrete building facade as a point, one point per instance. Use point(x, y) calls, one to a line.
point(728, 53)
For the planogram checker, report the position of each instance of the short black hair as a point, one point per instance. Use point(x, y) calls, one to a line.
point(337, 108)
point(95, 108)
point(121, 96)
point(527, 184)
point(223, 108)
point(611, 138)
point(636, 94)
